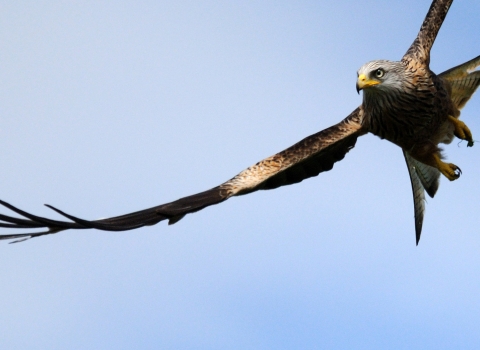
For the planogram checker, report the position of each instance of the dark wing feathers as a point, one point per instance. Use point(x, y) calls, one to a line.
point(305, 159)
point(421, 46)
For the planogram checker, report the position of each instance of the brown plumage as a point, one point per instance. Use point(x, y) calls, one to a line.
point(403, 102)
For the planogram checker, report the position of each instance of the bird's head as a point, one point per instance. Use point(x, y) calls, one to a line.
point(381, 75)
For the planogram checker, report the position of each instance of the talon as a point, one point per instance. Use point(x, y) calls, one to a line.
point(449, 170)
point(461, 130)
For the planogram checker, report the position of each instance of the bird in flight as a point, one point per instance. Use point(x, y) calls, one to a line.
point(404, 102)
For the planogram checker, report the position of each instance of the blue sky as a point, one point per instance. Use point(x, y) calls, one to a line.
point(111, 107)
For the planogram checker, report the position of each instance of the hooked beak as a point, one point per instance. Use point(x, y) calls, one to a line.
point(363, 82)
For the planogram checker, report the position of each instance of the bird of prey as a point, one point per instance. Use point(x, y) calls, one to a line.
point(404, 102)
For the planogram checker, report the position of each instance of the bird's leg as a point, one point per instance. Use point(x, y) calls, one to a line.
point(429, 154)
point(461, 130)
point(451, 171)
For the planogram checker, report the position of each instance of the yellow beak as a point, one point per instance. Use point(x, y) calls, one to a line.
point(363, 82)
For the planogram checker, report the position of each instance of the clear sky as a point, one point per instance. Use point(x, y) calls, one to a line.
point(108, 107)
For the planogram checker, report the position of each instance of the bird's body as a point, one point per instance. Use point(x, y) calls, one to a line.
point(409, 115)
point(404, 102)
point(409, 106)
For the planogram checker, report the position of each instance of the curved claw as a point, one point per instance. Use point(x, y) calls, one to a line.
point(451, 171)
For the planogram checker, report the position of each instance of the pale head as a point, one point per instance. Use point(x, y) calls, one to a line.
point(381, 76)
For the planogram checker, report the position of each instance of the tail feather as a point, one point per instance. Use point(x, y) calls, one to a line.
point(429, 176)
point(418, 183)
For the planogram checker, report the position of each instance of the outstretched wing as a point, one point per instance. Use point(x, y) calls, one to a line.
point(464, 81)
point(305, 159)
point(421, 46)
point(423, 178)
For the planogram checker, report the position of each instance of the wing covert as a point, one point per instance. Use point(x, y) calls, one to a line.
point(307, 158)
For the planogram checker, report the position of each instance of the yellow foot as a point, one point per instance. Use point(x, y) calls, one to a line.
point(451, 171)
point(462, 131)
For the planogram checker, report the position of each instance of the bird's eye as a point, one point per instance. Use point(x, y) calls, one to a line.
point(379, 73)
